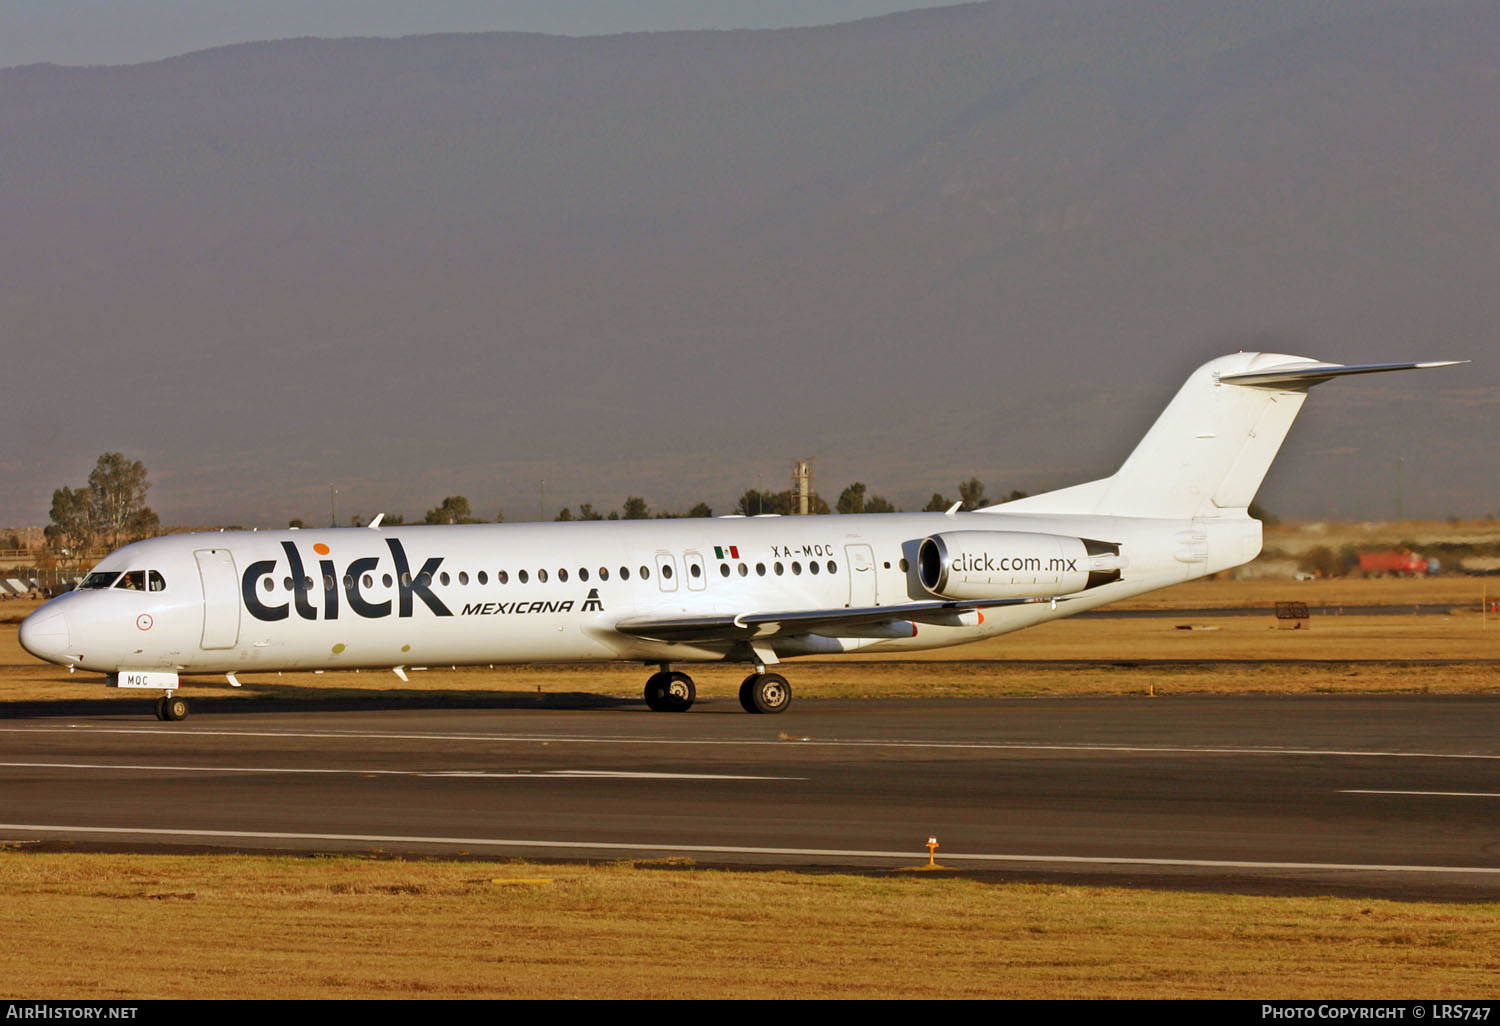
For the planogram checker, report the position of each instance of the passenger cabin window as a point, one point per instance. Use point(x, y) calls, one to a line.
point(99, 579)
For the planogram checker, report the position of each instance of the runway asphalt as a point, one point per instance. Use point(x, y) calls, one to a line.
point(1397, 796)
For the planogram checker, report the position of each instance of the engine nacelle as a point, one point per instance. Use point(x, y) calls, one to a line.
point(1014, 564)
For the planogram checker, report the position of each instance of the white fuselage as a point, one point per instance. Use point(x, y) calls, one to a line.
point(241, 602)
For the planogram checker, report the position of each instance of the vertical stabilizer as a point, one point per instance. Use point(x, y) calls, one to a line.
point(1208, 452)
point(1211, 447)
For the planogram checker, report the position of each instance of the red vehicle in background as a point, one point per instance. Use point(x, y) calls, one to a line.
point(1397, 562)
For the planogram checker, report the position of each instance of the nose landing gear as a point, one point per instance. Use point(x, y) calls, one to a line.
point(171, 708)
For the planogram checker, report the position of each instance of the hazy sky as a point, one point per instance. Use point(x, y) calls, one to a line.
point(112, 32)
point(980, 240)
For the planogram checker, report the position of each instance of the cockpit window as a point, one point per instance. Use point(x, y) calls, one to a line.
point(155, 581)
point(99, 579)
point(132, 580)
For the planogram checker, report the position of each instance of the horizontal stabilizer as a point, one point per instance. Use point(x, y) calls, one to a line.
point(1297, 375)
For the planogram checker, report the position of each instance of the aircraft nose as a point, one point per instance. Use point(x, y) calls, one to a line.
point(45, 635)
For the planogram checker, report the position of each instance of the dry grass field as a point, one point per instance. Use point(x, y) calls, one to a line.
point(161, 926)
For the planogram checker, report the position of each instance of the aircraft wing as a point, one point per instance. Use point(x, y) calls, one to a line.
point(829, 622)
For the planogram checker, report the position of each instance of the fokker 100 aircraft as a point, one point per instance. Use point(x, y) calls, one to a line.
point(751, 590)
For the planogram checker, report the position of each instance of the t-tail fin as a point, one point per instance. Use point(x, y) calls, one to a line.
point(1211, 447)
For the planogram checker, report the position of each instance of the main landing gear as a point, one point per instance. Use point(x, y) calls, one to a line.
point(765, 693)
point(171, 708)
point(673, 691)
point(670, 691)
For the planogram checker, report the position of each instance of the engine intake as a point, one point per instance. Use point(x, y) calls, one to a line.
point(1014, 564)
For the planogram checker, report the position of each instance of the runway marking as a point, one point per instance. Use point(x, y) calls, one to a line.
point(519, 774)
point(180, 732)
point(716, 849)
point(1431, 794)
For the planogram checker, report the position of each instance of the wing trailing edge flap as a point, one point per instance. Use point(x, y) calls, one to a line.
point(852, 622)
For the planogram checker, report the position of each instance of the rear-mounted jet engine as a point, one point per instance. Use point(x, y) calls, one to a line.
point(1014, 564)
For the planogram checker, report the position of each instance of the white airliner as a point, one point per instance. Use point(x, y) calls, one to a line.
point(752, 590)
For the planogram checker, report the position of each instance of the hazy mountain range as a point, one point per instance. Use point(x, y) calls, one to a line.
point(988, 239)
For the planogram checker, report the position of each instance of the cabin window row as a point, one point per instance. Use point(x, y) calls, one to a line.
point(524, 576)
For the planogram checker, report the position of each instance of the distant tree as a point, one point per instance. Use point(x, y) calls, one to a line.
point(356, 520)
point(72, 526)
point(454, 510)
point(1265, 516)
point(295, 523)
point(971, 493)
point(393, 520)
point(1014, 494)
point(701, 510)
point(111, 509)
point(13, 542)
point(878, 504)
point(564, 514)
point(1321, 560)
point(117, 499)
point(635, 508)
point(754, 502)
point(499, 516)
point(937, 504)
point(852, 498)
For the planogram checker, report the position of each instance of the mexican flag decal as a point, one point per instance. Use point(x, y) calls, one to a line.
point(732, 552)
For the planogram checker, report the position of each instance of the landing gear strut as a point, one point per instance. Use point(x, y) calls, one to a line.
point(670, 691)
point(171, 708)
point(765, 693)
